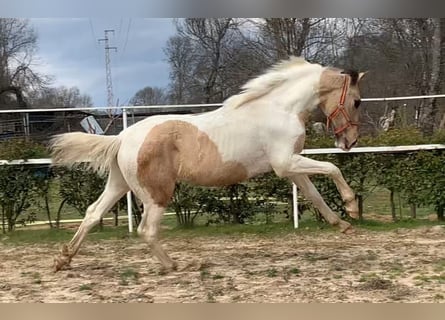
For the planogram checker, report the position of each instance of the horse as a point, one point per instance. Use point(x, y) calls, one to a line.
point(256, 131)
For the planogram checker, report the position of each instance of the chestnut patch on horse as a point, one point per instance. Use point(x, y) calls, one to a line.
point(177, 150)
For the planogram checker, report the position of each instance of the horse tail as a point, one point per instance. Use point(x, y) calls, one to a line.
point(99, 152)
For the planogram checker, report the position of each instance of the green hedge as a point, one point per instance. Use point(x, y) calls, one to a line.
point(416, 177)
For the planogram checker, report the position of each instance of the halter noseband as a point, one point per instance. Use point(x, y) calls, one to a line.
point(341, 110)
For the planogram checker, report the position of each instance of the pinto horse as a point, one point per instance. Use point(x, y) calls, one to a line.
point(258, 130)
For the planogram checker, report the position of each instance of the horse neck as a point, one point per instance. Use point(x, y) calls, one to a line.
point(297, 95)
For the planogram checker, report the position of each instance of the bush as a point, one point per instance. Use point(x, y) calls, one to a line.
point(188, 202)
point(19, 184)
point(80, 187)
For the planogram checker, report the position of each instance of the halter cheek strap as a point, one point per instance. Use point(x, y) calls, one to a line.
point(340, 110)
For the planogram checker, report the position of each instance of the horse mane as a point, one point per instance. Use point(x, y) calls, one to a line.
point(257, 87)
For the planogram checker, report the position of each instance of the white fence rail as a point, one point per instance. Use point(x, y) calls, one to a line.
point(386, 149)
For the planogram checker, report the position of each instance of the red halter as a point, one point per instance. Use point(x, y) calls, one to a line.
point(341, 110)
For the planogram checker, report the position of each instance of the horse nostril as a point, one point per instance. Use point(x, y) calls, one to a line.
point(352, 144)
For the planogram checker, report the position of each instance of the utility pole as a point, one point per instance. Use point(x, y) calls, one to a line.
point(110, 98)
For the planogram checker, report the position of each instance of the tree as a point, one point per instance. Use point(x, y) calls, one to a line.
point(180, 53)
point(437, 60)
point(149, 96)
point(18, 44)
point(286, 36)
point(19, 185)
point(61, 97)
point(405, 57)
point(199, 55)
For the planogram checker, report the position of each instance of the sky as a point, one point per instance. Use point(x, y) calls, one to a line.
point(69, 50)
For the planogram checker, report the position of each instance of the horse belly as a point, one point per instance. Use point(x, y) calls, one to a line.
point(218, 174)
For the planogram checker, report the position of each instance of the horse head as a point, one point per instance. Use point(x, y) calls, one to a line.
point(340, 101)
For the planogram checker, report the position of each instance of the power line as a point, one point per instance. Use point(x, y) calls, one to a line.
point(92, 32)
point(120, 29)
point(126, 37)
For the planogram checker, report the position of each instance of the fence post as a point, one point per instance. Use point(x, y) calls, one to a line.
point(129, 201)
point(26, 129)
point(295, 204)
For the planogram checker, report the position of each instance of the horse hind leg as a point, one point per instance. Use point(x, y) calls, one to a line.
point(115, 188)
point(149, 232)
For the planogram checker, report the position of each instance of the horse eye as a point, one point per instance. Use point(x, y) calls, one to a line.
point(357, 103)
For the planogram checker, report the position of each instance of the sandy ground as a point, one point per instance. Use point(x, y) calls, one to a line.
point(396, 266)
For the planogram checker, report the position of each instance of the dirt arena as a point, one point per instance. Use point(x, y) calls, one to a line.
point(395, 266)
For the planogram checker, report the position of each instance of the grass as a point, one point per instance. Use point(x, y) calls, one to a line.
point(128, 275)
point(373, 281)
point(272, 272)
point(295, 271)
point(28, 236)
point(55, 199)
point(378, 203)
point(35, 277)
point(23, 236)
point(85, 287)
point(204, 274)
point(376, 225)
point(431, 278)
point(439, 265)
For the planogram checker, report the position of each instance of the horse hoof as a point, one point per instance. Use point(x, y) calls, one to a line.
point(346, 227)
point(352, 209)
point(349, 231)
point(60, 262)
point(57, 265)
point(168, 269)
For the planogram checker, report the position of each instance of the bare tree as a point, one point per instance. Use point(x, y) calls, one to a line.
point(436, 60)
point(420, 56)
point(211, 38)
point(18, 43)
point(61, 97)
point(287, 36)
point(180, 55)
point(149, 96)
point(211, 58)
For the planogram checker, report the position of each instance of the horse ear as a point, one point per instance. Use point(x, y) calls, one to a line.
point(361, 74)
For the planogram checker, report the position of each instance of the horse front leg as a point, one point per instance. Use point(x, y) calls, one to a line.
point(299, 165)
point(312, 194)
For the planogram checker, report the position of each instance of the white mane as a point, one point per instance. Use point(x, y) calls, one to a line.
point(263, 84)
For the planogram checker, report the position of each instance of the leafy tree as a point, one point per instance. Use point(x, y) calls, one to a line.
point(431, 169)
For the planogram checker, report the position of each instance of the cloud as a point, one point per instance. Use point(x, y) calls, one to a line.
point(69, 50)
